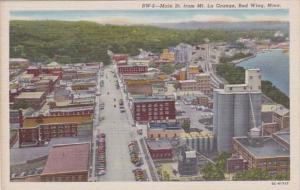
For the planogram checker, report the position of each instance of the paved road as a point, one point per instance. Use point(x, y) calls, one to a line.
point(118, 133)
point(95, 125)
point(148, 165)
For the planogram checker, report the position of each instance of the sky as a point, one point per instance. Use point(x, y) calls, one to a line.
point(121, 17)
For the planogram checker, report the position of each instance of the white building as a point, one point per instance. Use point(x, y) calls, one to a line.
point(183, 53)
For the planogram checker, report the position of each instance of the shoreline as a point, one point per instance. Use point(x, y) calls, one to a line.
point(261, 51)
point(243, 59)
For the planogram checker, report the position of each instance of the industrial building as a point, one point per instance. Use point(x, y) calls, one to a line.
point(32, 99)
point(187, 163)
point(199, 141)
point(237, 108)
point(164, 130)
point(270, 153)
point(67, 163)
point(160, 149)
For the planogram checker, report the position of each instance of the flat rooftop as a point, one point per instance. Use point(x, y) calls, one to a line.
point(187, 81)
point(285, 136)
point(68, 158)
point(30, 95)
point(165, 125)
point(223, 91)
point(152, 98)
point(270, 148)
point(30, 122)
point(282, 111)
point(159, 144)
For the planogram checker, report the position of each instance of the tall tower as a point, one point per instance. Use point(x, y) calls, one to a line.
point(237, 109)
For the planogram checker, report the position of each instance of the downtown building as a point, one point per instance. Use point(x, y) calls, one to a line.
point(270, 153)
point(237, 109)
point(132, 69)
point(183, 53)
point(153, 109)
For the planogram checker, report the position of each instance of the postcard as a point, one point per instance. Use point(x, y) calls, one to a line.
point(150, 94)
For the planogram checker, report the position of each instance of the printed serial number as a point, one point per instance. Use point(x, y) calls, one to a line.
point(280, 183)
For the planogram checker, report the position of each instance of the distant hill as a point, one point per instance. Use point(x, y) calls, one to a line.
point(73, 42)
point(264, 25)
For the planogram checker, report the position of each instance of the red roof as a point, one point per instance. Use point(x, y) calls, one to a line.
point(67, 158)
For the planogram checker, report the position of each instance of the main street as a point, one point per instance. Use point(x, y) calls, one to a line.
point(148, 165)
point(118, 133)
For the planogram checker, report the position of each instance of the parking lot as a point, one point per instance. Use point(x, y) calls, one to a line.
point(195, 114)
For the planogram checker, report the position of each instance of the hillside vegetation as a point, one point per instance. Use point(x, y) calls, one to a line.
point(82, 41)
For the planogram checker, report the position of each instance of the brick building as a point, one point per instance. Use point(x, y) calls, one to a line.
point(200, 82)
point(270, 153)
point(35, 70)
point(160, 149)
point(33, 121)
point(85, 110)
point(32, 99)
point(188, 85)
point(204, 83)
point(52, 68)
point(35, 136)
point(132, 69)
point(164, 130)
point(120, 59)
point(236, 163)
point(154, 108)
point(67, 163)
point(15, 116)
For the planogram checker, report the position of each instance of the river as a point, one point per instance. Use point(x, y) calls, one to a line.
point(274, 66)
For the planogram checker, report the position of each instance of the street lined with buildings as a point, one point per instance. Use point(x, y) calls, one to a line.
point(135, 120)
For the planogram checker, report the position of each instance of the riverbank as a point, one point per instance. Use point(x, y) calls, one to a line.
point(236, 75)
point(243, 59)
point(274, 67)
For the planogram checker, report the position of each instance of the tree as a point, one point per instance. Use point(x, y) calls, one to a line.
point(52, 104)
point(166, 176)
point(221, 162)
point(259, 174)
point(152, 65)
point(236, 75)
point(167, 68)
point(88, 41)
point(176, 85)
point(186, 126)
point(282, 176)
point(252, 174)
point(212, 173)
